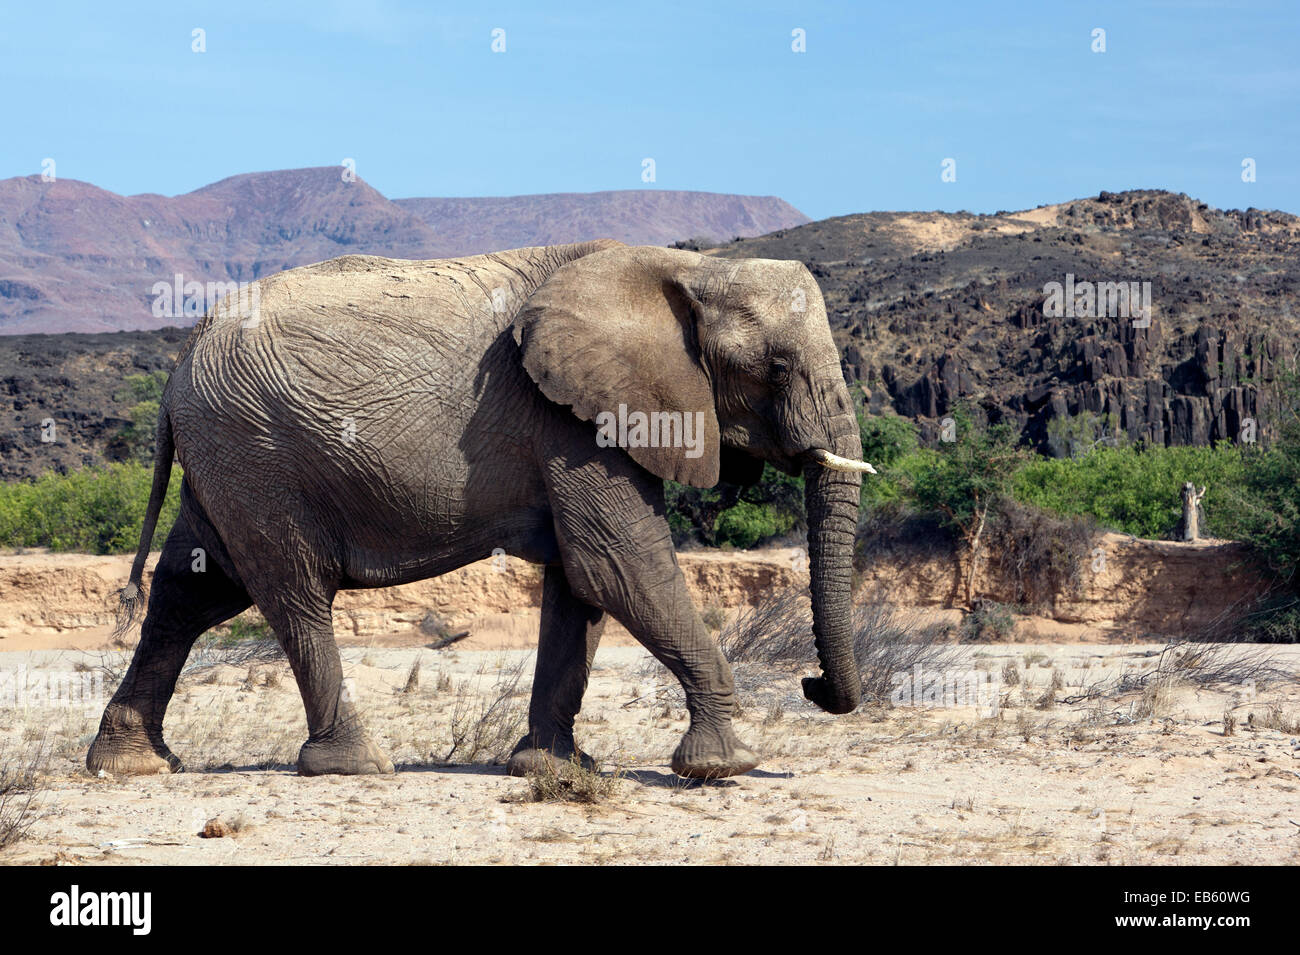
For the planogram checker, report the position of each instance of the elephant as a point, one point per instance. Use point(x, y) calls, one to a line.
point(377, 421)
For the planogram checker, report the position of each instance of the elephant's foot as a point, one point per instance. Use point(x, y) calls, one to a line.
point(711, 752)
point(347, 756)
point(123, 747)
point(530, 758)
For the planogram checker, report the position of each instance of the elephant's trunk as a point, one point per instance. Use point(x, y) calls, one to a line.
point(832, 496)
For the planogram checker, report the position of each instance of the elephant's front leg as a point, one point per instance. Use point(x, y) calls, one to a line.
point(618, 555)
point(570, 634)
point(667, 623)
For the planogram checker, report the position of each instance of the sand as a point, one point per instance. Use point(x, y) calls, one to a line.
point(1021, 782)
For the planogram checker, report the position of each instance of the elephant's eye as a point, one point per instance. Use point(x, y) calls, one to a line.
point(778, 371)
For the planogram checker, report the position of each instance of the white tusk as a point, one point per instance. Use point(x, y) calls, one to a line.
point(837, 463)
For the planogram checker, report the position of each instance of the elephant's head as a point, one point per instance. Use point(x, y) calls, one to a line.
point(738, 356)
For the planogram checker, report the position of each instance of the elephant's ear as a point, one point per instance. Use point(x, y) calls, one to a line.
point(614, 334)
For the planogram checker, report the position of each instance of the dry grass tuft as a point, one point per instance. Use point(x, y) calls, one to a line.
point(571, 782)
point(485, 728)
point(22, 781)
point(412, 678)
point(213, 651)
point(1183, 663)
point(886, 641)
point(1274, 718)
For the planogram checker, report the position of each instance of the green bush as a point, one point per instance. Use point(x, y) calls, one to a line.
point(734, 516)
point(966, 482)
point(886, 438)
point(747, 524)
point(1268, 504)
point(889, 485)
point(890, 444)
point(1136, 490)
point(967, 476)
point(1075, 435)
point(241, 630)
point(143, 394)
point(774, 507)
point(94, 510)
point(989, 621)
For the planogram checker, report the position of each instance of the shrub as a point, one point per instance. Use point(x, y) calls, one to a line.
point(886, 439)
point(1038, 553)
point(733, 516)
point(22, 784)
point(571, 782)
point(486, 722)
point(94, 510)
point(897, 533)
point(890, 444)
point(243, 630)
point(1275, 620)
point(143, 394)
point(1269, 503)
point(1077, 435)
point(1135, 489)
point(746, 524)
point(967, 476)
point(989, 621)
point(966, 481)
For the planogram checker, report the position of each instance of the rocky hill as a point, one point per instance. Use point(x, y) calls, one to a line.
point(74, 257)
point(933, 308)
point(76, 380)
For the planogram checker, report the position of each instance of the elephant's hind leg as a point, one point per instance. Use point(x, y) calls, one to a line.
point(569, 636)
point(337, 742)
point(184, 601)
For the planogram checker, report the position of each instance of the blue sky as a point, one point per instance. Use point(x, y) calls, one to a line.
point(711, 91)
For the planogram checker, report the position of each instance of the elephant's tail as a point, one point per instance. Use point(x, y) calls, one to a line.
point(131, 597)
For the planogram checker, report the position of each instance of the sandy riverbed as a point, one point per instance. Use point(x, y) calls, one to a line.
point(1033, 782)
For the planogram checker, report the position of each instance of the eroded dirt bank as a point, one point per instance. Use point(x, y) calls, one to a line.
point(1131, 589)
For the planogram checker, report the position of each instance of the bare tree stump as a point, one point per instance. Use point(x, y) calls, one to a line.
point(1191, 515)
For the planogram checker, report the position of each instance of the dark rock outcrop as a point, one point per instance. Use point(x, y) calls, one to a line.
point(932, 308)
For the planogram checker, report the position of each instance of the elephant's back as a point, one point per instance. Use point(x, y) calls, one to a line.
point(359, 346)
point(377, 313)
point(348, 326)
point(365, 380)
point(360, 330)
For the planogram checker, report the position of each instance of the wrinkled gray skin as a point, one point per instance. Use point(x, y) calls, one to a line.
point(385, 421)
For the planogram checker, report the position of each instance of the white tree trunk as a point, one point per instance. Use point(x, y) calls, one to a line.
point(1191, 520)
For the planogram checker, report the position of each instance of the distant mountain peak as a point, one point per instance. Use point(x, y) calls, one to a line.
point(74, 257)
